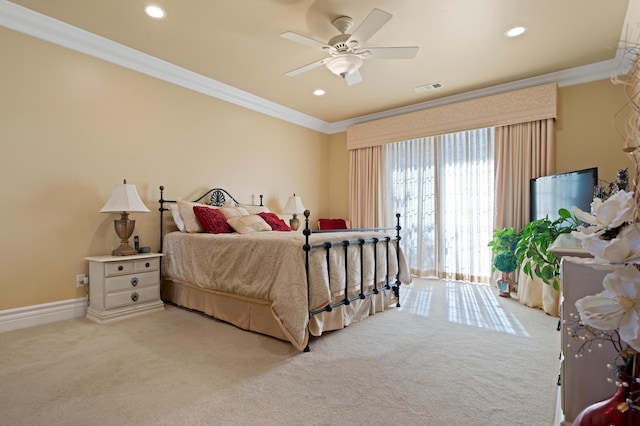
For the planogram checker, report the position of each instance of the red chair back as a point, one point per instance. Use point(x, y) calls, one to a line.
point(326, 224)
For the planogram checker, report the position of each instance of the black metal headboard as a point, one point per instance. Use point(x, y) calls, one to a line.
point(214, 197)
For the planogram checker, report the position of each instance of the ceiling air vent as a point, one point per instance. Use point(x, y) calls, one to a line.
point(428, 87)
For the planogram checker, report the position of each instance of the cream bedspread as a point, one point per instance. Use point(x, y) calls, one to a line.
point(271, 266)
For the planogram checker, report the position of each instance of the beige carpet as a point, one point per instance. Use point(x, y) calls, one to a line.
point(454, 354)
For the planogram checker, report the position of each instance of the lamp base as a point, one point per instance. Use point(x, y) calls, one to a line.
point(124, 228)
point(294, 223)
point(124, 250)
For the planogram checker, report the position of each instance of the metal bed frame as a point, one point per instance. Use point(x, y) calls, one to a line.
point(218, 197)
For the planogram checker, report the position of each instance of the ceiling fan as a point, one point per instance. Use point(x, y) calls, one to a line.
point(347, 51)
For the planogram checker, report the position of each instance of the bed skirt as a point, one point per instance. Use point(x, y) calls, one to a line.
point(256, 315)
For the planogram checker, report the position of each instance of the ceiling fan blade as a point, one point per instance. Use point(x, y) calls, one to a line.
point(353, 78)
point(304, 68)
point(372, 23)
point(406, 52)
point(299, 38)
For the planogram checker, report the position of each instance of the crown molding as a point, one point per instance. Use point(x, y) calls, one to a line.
point(578, 75)
point(26, 21)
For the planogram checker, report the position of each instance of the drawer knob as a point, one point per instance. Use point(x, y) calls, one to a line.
point(134, 281)
point(120, 268)
point(147, 264)
point(134, 296)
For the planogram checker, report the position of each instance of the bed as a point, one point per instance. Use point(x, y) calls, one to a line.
point(271, 280)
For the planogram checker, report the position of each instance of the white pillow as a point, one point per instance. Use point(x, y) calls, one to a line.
point(175, 213)
point(248, 223)
point(254, 209)
point(230, 212)
point(191, 223)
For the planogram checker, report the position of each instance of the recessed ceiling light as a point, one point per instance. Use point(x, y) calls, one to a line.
point(155, 12)
point(516, 31)
point(319, 92)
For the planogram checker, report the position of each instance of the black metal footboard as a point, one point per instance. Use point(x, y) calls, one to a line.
point(390, 282)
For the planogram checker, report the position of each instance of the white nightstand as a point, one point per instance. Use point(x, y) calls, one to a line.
point(123, 286)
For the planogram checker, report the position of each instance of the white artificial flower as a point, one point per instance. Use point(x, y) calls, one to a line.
point(624, 248)
point(611, 213)
point(617, 307)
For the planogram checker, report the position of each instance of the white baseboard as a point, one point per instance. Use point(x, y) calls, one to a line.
point(29, 316)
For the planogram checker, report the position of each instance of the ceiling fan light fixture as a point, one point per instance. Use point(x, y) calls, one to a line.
point(347, 50)
point(344, 65)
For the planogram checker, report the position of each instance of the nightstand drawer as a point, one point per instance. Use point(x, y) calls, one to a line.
point(124, 282)
point(132, 297)
point(118, 268)
point(144, 265)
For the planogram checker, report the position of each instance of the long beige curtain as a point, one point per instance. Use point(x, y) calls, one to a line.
point(523, 151)
point(365, 187)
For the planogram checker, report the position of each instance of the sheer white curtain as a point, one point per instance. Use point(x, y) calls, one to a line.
point(443, 187)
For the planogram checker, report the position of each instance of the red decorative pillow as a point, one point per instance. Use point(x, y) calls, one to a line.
point(212, 220)
point(275, 222)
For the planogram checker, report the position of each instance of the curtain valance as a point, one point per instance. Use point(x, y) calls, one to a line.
point(535, 103)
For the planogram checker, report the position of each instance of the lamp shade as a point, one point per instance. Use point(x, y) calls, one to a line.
point(124, 198)
point(294, 205)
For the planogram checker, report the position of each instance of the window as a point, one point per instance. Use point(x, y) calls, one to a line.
point(443, 187)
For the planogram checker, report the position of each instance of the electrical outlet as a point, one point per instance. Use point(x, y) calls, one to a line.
point(81, 280)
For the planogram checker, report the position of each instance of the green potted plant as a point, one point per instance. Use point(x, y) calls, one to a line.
point(504, 240)
point(503, 245)
point(535, 239)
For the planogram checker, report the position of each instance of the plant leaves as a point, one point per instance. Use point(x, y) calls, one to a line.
point(534, 242)
point(564, 213)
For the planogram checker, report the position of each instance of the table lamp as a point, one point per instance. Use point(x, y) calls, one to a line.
point(294, 206)
point(124, 199)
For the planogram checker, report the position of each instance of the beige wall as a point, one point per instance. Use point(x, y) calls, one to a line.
point(72, 126)
point(586, 135)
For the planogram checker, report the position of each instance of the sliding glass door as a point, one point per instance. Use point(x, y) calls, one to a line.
point(443, 187)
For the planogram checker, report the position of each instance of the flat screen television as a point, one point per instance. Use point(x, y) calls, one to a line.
point(563, 190)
